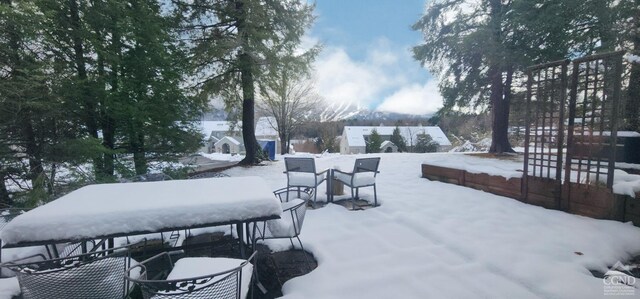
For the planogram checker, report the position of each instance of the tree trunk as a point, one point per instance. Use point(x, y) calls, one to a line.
point(248, 111)
point(33, 152)
point(283, 143)
point(28, 135)
point(139, 159)
point(5, 199)
point(246, 65)
point(90, 115)
point(633, 92)
point(500, 92)
point(499, 113)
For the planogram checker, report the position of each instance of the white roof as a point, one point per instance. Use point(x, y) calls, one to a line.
point(227, 139)
point(386, 143)
point(355, 134)
point(101, 210)
point(208, 126)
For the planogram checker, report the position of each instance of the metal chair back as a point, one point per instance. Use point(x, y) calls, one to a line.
point(366, 165)
point(300, 164)
point(96, 274)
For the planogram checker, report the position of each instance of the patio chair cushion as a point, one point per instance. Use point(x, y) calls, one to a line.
point(202, 266)
point(359, 179)
point(305, 179)
point(283, 227)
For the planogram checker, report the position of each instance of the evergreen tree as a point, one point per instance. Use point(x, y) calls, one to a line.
point(477, 52)
point(425, 144)
point(398, 140)
point(235, 41)
point(374, 142)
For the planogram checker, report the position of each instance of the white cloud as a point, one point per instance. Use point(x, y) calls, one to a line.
point(386, 74)
point(414, 99)
point(342, 80)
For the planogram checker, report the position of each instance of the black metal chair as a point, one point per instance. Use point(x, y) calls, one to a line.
point(363, 175)
point(287, 227)
point(97, 274)
point(301, 173)
point(191, 278)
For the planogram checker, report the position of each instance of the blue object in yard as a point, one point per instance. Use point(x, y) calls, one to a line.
point(269, 147)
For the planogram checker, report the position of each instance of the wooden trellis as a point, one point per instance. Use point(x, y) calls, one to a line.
point(588, 120)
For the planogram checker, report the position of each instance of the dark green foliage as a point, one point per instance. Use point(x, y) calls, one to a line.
point(89, 82)
point(425, 144)
point(398, 140)
point(235, 43)
point(374, 142)
point(480, 53)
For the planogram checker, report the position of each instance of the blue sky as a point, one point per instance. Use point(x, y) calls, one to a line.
point(366, 59)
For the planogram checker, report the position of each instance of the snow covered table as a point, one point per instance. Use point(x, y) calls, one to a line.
point(114, 210)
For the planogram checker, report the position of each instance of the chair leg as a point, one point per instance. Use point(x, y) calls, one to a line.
point(375, 196)
point(292, 246)
point(288, 191)
point(315, 196)
point(353, 200)
point(304, 252)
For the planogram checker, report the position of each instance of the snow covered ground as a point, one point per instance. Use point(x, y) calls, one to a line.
point(437, 240)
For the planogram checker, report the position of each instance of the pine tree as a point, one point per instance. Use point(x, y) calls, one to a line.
point(398, 140)
point(425, 144)
point(374, 142)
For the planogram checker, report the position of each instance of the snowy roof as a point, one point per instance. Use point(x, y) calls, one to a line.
point(386, 143)
point(118, 209)
point(228, 139)
point(266, 126)
point(355, 134)
point(208, 126)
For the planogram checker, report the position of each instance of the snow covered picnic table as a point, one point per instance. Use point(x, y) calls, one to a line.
point(114, 210)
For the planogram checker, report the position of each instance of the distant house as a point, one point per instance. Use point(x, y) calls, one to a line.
point(226, 136)
point(214, 131)
point(229, 145)
point(354, 138)
point(388, 147)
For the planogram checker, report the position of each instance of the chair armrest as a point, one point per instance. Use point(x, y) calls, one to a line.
point(347, 173)
point(293, 206)
point(321, 172)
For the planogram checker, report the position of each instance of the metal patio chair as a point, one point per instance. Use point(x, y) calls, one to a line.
point(97, 274)
point(194, 277)
point(301, 173)
point(363, 175)
point(287, 227)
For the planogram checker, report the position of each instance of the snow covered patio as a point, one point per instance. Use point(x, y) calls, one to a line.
point(435, 240)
